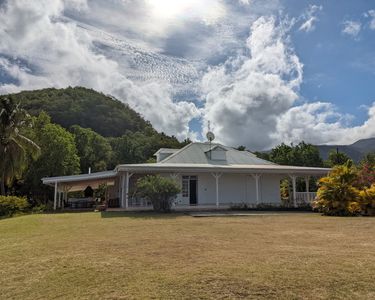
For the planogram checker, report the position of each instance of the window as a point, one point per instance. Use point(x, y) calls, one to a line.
point(185, 186)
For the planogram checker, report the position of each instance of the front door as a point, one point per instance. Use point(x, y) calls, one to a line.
point(193, 190)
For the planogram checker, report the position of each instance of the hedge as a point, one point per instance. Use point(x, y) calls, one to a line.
point(10, 205)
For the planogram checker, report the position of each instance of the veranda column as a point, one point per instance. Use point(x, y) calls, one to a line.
point(55, 197)
point(122, 198)
point(257, 177)
point(217, 176)
point(128, 175)
point(307, 181)
point(294, 178)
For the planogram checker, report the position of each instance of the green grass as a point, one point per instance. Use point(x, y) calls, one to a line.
point(87, 256)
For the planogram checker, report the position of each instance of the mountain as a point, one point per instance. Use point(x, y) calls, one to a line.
point(86, 108)
point(355, 151)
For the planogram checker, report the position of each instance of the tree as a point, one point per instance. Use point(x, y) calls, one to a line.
point(302, 154)
point(337, 194)
point(159, 190)
point(336, 158)
point(58, 156)
point(241, 148)
point(366, 172)
point(94, 150)
point(14, 146)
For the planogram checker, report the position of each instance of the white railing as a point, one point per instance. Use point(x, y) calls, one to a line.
point(305, 197)
point(138, 202)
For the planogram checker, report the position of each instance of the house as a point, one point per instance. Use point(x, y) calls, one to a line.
point(210, 174)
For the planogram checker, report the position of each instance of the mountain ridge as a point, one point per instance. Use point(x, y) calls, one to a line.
point(355, 151)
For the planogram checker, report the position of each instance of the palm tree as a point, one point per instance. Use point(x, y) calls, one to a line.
point(14, 147)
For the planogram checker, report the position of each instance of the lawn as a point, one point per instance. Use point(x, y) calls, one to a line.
point(94, 256)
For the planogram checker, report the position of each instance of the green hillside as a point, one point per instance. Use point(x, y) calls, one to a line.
point(86, 108)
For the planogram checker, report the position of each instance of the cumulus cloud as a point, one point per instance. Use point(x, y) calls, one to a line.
point(310, 18)
point(321, 123)
point(246, 95)
point(351, 28)
point(252, 98)
point(40, 49)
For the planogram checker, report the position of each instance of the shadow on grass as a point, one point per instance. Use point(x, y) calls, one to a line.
point(141, 214)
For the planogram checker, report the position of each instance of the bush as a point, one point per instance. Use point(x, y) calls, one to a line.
point(367, 201)
point(336, 194)
point(159, 190)
point(9, 205)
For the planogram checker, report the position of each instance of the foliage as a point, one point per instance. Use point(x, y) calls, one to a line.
point(366, 174)
point(14, 146)
point(284, 191)
point(336, 194)
point(336, 158)
point(58, 156)
point(367, 200)
point(84, 107)
point(94, 151)
point(159, 190)
point(139, 147)
point(300, 155)
point(9, 205)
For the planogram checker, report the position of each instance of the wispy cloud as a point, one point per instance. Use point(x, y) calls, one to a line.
point(351, 28)
point(310, 18)
point(371, 14)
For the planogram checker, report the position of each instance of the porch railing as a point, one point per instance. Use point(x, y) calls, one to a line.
point(139, 202)
point(305, 197)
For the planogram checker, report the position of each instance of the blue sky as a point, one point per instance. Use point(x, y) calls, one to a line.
point(261, 71)
point(338, 67)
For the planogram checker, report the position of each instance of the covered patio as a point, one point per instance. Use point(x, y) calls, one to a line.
point(64, 185)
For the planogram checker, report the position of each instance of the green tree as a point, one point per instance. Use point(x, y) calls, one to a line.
point(159, 190)
point(302, 154)
point(58, 157)
point(94, 150)
point(14, 146)
point(336, 158)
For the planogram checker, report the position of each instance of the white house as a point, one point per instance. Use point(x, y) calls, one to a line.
point(210, 175)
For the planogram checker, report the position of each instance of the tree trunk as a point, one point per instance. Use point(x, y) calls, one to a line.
point(2, 186)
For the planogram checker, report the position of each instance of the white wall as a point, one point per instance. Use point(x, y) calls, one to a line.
point(233, 188)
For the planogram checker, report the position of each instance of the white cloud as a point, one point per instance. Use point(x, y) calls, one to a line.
point(246, 95)
point(371, 14)
point(321, 123)
point(310, 18)
point(351, 28)
point(48, 51)
point(251, 99)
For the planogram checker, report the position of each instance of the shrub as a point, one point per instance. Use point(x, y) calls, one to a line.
point(336, 194)
point(9, 205)
point(367, 201)
point(159, 190)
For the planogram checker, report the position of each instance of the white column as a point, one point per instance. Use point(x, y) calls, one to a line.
point(122, 198)
point(55, 197)
point(258, 193)
point(128, 175)
point(294, 178)
point(217, 176)
point(307, 181)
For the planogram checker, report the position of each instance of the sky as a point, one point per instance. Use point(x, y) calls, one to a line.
point(261, 72)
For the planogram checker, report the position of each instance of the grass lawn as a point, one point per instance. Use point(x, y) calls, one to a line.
point(90, 256)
